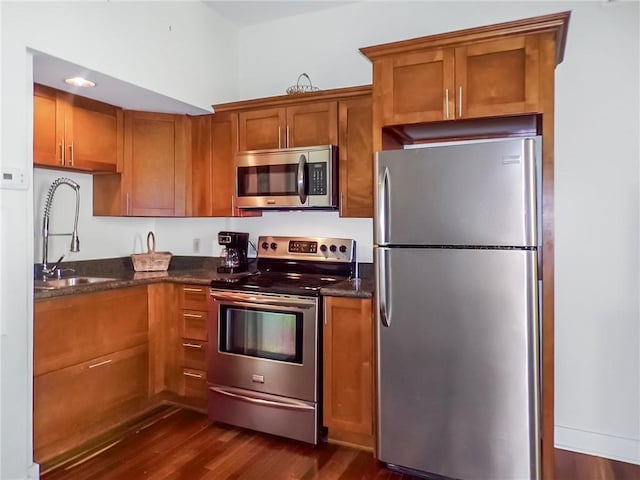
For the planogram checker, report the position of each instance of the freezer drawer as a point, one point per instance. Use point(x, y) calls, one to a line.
point(457, 363)
point(464, 194)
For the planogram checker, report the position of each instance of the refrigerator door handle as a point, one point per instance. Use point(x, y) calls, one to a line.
point(382, 206)
point(382, 288)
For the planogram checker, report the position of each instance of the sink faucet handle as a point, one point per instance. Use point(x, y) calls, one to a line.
point(48, 271)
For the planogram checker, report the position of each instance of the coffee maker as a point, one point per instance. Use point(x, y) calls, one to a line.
point(234, 254)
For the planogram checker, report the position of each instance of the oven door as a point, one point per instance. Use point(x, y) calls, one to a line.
point(264, 343)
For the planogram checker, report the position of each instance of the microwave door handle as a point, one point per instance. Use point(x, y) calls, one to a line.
point(302, 179)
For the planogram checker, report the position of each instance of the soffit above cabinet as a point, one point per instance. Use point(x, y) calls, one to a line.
point(51, 71)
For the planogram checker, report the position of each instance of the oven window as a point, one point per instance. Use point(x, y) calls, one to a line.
point(268, 180)
point(262, 334)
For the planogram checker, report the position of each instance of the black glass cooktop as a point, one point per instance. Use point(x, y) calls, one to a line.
point(279, 282)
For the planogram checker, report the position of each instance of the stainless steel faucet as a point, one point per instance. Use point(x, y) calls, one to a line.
point(75, 243)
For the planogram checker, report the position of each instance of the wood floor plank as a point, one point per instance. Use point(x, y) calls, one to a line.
point(185, 445)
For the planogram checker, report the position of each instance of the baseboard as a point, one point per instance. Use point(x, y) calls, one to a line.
point(33, 472)
point(598, 444)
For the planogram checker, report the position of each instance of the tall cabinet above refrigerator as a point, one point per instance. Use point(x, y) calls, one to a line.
point(456, 262)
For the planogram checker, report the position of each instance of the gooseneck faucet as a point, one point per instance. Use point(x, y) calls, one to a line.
point(75, 243)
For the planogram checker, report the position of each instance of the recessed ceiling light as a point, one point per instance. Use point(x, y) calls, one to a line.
point(79, 82)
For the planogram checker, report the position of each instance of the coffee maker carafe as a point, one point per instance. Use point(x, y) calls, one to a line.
point(234, 256)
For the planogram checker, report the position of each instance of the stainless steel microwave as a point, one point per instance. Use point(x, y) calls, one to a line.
point(291, 179)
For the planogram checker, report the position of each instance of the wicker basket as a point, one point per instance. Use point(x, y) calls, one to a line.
point(151, 261)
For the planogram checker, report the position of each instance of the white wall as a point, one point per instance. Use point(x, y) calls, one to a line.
point(597, 179)
point(130, 41)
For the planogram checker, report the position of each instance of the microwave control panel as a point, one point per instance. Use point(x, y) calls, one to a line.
point(318, 178)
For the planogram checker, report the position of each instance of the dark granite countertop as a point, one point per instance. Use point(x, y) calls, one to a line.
point(192, 270)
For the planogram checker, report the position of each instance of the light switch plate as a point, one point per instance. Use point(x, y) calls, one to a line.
point(14, 178)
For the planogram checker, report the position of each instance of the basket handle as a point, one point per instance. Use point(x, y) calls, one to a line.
point(308, 79)
point(151, 242)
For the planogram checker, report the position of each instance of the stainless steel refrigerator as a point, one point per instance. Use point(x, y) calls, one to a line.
point(456, 263)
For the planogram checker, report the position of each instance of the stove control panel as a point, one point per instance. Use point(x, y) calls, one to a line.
point(307, 248)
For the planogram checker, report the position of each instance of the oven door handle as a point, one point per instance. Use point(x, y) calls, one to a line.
point(288, 405)
point(260, 301)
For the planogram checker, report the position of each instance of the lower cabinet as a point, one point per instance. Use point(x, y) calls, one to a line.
point(192, 345)
point(348, 371)
point(104, 383)
point(77, 403)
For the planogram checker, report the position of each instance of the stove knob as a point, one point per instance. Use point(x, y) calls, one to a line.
point(343, 249)
point(274, 245)
point(265, 245)
point(323, 248)
point(333, 248)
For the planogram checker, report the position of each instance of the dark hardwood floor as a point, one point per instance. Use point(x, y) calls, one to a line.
point(180, 444)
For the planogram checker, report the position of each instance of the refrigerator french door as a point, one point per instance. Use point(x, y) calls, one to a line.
point(456, 262)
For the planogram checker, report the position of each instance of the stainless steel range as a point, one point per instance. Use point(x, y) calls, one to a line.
point(263, 364)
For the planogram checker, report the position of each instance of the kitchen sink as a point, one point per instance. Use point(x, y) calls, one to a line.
point(54, 284)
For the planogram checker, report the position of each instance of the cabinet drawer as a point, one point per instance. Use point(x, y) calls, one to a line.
point(195, 383)
point(194, 297)
point(194, 324)
point(194, 354)
point(77, 403)
point(76, 328)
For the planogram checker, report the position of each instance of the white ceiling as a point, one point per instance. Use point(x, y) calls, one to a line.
point(244, 12)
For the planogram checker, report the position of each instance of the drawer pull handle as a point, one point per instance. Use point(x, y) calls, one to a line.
point(104, 362)
point(194, 375)
point(192, 345)
point(198, 290)
point(191, 315)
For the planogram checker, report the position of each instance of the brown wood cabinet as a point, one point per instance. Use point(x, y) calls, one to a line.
point(193, 315)
point(303, 125)
point(91, 367)
point(348, 371)
point(214, 144)
point(76, 133)
point(489, 78)
point(355, 154)
point(153, 181)
point(339, 117)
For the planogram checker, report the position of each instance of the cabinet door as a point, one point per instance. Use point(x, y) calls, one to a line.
point(224, 145)
point(71, 329)
point(48, 127)
point(93, 135)
point(262, 129)
point(154, 164)
point(80, 402)
point(312, 124)
point(348, 370)
point(416, 87)
point(200, 168)
point(355, 154)
point(497, 78)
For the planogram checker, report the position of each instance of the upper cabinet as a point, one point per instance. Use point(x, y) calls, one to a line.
point(485, 79)
point(153, 180)
point(303, 125)
point(214, 144)
point(490, 71)
point(355, 157)
point(339, 117)
point(76, 133)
